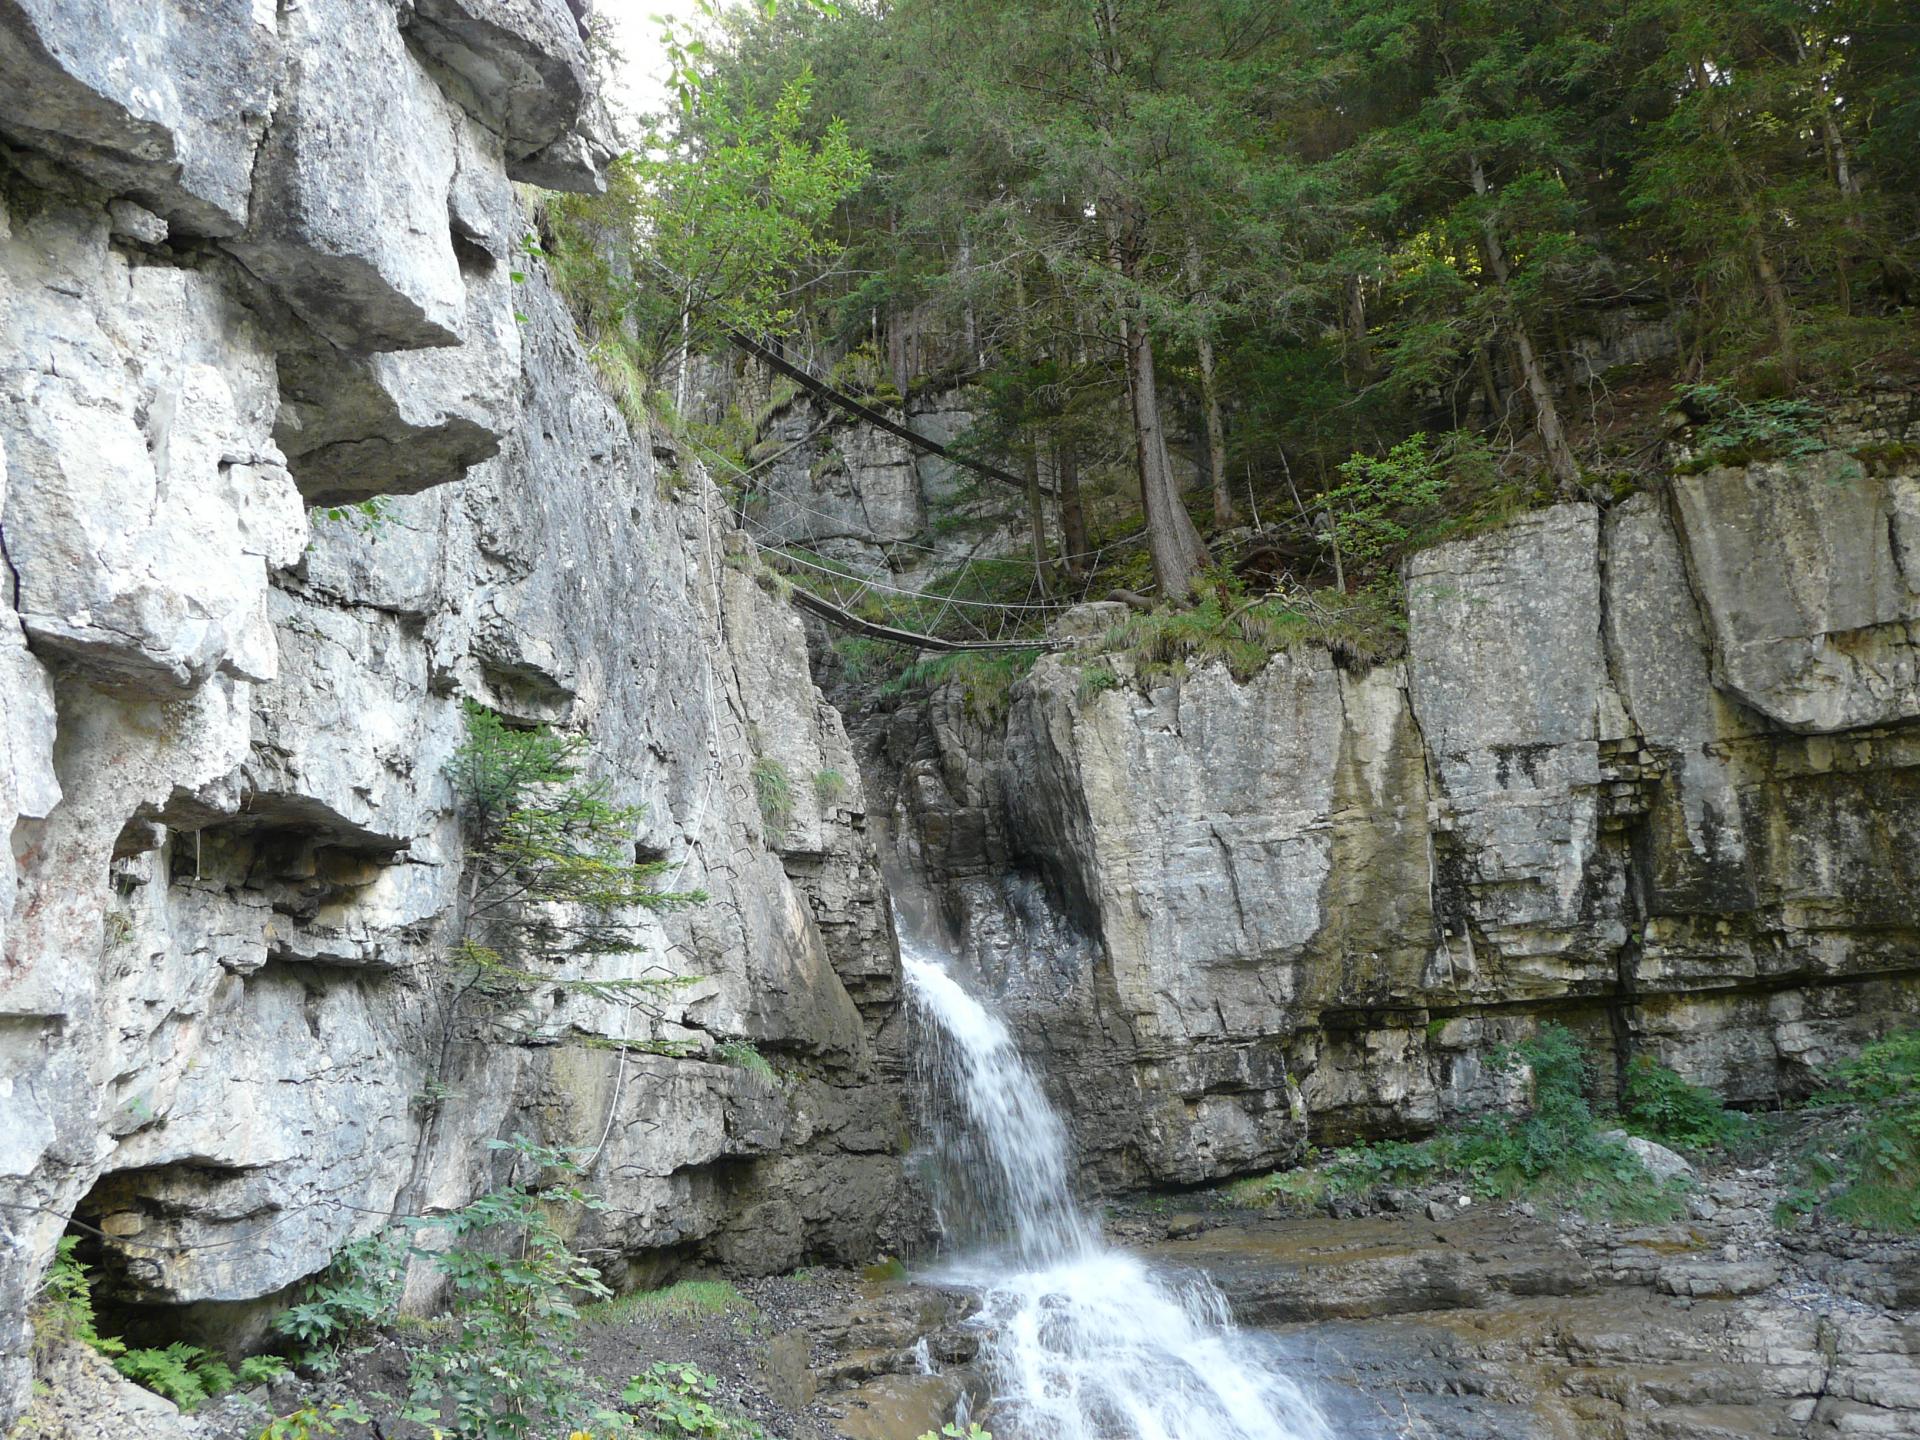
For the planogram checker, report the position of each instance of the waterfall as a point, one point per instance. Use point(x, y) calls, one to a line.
point(1086, 1342)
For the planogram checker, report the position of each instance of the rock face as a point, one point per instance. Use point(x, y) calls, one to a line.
point(1652, 772)
point(861, 497)
point(257, 259)
point(1488, 1324)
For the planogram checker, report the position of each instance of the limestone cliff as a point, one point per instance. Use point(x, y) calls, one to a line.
point(1653, 772)
point(264, 258)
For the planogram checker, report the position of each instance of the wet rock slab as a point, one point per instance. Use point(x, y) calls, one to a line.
point(1495, 1324)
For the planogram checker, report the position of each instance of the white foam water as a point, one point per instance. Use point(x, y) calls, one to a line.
point(1086, 1342)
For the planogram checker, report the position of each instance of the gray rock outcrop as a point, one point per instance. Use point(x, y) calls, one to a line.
point(257, 267)
point(864, 499)
point(1650, 772)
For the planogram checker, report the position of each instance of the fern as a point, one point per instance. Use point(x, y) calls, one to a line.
point(64, 1310)
point(185, 1374)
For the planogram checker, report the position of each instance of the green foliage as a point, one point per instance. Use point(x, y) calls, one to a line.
point(261, 1370)
point(773, 789)
point(1096, 679)
point(314, 1422)
point(863, 372)
point(866, 661)
point(1887, 1070)
point(703, 228)
point(677, 1402)
point(1868, 1174)
point(63, 1309)
point(1381, 501)
point(356, 1292)
point(185, 1374)
point(506, 1365)
point(682, 1300)
point(1226, 624)
point(745, 1055)
point(1422, 491)
point(1348, 225)
point(951, 1431)
point(829, 786)
point(553, 876)
point(368, 516)
point(1555, 1151)
point(1660, 1105)
point(1353, 1171)
point(499, 769)
point(544, 833)
point(985, 679)
point(1738, 432)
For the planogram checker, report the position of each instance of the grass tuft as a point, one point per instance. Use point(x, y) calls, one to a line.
point(682, 1300)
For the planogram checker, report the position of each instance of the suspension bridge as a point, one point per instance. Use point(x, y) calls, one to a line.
point(972, 600)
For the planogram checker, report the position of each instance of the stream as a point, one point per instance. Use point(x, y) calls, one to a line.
point(1084, 1341)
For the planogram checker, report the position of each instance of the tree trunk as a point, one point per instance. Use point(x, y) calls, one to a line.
point(1178, 553)
point(1359, 355)
point(1546, 415)
point(1489, 384)
point(1073, 515)
point(1175, 546)
point(970, 327)
point(1778, 310)
point(1772, 290)
point(1210, 399)
point(1036, 512)
point(1837, 157)
point(686, 355)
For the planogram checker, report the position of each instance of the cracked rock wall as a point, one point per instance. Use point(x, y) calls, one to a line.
point(257, 263)
point(1653, 772)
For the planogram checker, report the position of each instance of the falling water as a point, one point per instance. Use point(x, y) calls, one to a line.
point(1087, 1342)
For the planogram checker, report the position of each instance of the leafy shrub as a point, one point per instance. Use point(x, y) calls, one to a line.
point(1555, 1151)
point(1381, 500)
point(185, 1374)
point(1738, 432)
point(951, 1431)
point(312, 1422)
point(541, 830)
point(552, 876)
point(1243, 631)
point(675, 1401)
point(1096, 679)
point(367, 516)
point(1888, 1069)
point(356, 1292)
point(1420, 491)
point(1870, 1175)
point(1660, 1105)
point(262, 1370)
point(507, 1367)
